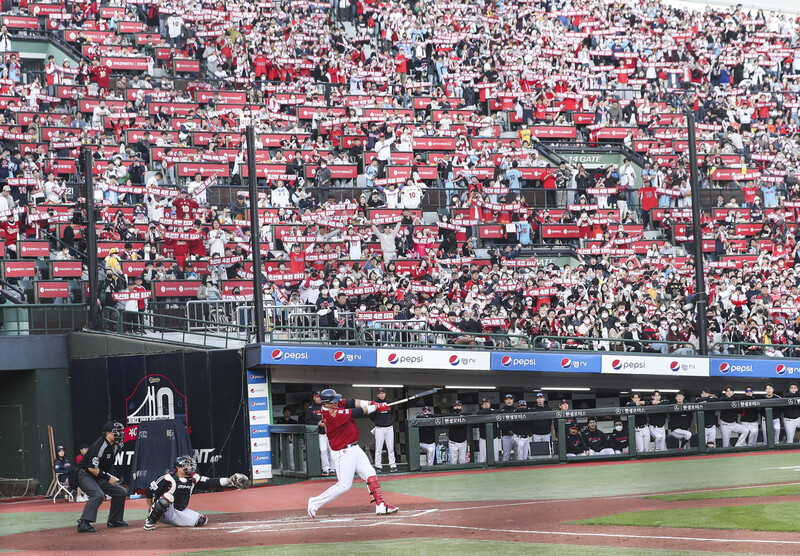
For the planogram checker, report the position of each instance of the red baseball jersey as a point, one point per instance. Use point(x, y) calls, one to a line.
point(340, 426)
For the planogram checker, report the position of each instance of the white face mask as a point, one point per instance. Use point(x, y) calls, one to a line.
point(618, 428)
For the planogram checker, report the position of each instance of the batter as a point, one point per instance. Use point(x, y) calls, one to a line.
point(348, 457)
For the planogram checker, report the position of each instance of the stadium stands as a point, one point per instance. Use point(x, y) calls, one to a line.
point(508, 174)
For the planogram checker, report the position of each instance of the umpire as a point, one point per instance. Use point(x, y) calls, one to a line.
point(96, 480)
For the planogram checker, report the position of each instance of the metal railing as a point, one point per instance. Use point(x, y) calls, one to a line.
point(745, 348)
point(295, 451)
point(660, 347)
point(217, 314)
point(557, 450)
point(329, 335)
point(174, 329)
point(392, 335)
point(26, 320)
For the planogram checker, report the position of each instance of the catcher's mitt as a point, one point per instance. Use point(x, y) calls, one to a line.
point(240, 480)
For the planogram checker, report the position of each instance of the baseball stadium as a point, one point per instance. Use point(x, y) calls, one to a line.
point(527, 277)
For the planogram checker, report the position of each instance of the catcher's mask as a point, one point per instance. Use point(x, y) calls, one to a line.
point(118, 430)
point(186, 463)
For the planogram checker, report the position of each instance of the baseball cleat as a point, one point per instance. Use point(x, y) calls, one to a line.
point(312, 511)
point(149, 525)
point(117, 523)
point(384, 509)
point(85, 527)
point(201, 521)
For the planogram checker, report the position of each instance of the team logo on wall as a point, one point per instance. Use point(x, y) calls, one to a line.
point(156, 398)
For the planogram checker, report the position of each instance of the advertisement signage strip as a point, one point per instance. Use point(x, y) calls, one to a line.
point(258, 425)
point(654, 365)
point(545, 362)
point(752, 367)
point(434, 359)
point(317, 356)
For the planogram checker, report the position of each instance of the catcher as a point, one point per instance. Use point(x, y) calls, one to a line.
point(168, 496)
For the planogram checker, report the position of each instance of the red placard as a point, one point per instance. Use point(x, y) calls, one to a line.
point(338, 171)
point(62, 166)
point(558, 231)
point(20, 22)
point(40, 10)
point(135, 63)
point(397, 158)
point(245, 287)
point(229, 97)
point(19, 269)
point(146, 39)
point(129, 26)
point(583, 118)
point(135, 268)
point(52, 290)
point(425, 172)
point(176, 288)
point(101, 37)
point(491, 231)
point(749, 228)
point(183, 65)
point(554, 132)
point(735, 174)
point(205, 169)
point(307, 112)
point(533, 173)
point(614, 132)
point(34, 248)
point(434, 143)
point(67, 269)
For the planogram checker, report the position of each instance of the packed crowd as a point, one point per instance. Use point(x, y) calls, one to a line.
point(368, 114)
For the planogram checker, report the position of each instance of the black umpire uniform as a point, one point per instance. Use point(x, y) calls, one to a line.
point(96, 479)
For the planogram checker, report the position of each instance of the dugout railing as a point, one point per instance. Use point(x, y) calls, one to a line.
point(558, 449)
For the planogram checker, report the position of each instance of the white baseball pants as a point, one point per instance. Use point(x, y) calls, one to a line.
point(752, 432)
point(643, 439)
point(522, 447)
point(727, 429)
point(180, 518)
point(384, 436)
point(603, 452)
point(682, 434)
point(349, 462)
point(458, 452)
point(791, 427)
point(430, 452)
point(325, 453)
point(776, 427)
point(508, 445)
point(711, 435)
point(482, 450)
point(660, 438)
point(541, 438)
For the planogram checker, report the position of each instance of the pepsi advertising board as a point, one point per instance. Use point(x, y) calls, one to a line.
point(433, 359)
point(317, 356)
point(655, 365)
point(545, 362)
point(750, 367)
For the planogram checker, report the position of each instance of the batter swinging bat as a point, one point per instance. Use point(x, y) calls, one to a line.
point(415, 396)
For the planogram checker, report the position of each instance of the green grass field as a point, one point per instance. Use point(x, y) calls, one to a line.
point(426, 547)
point(570, 481)
point(750, 492)
point(755, 517)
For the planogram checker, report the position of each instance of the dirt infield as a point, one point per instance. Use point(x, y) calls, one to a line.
point(276, 515)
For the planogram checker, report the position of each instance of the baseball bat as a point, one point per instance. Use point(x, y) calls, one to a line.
point(415, 396)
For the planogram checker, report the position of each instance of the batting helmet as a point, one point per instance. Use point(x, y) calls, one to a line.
point(329, 395)
point(186, 463)
point(426, 410)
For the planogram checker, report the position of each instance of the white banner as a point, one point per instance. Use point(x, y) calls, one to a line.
point(655, 365)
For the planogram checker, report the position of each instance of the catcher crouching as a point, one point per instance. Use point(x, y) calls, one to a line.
point(168, 496)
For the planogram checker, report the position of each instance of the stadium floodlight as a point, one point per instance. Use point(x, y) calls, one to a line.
point(377, 385)
point(565, 389)
point(471, 387)
point(667, 391)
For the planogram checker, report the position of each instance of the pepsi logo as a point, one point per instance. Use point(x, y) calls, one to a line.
point(393, 359)
point(253, 417)
point(454, 360)
point(674, 366)
point(277, 354)
point(566, 363)
point(252, 390)
point(780, 369)
point(505, 361)
point(338, 356)
point(252, 403)
point(616, 364)
point(255, 431)
point(724, 368)
point(257, 471)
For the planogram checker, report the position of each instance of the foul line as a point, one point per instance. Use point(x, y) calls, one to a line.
point(581, 533)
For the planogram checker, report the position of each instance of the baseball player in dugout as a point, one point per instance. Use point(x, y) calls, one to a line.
point(96, 479)
point(168, 496)
point(384, 433)
point(348, 458)
point(427, 437)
